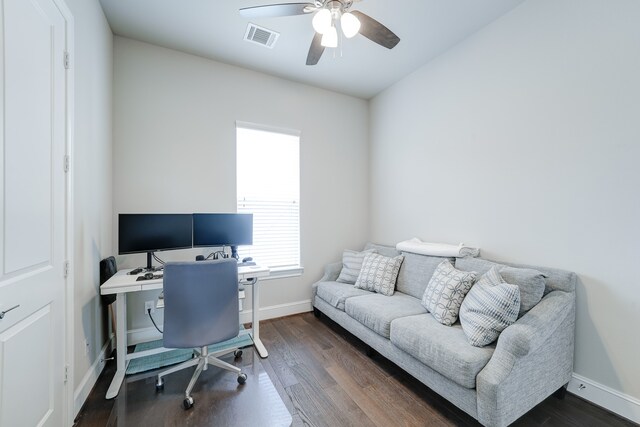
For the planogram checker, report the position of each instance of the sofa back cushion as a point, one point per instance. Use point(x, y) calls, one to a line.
point(415, 273)
point(532, 282)
point(388, 251)
point(556, 279)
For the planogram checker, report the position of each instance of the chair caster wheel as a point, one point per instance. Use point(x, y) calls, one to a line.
point(187, 403)
point(242, 378)
point(160, 384)
point(237, 354)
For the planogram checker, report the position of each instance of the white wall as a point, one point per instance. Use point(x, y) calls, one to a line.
point(92, 171)
point(174, 139)
point(524, 140)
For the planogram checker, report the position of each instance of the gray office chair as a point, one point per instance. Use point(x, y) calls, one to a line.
point(201, 309)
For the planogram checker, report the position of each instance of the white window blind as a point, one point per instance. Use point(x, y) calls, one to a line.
point(268, 186)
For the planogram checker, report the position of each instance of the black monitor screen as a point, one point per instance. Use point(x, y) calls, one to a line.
point(218, 229)
point(153, 232)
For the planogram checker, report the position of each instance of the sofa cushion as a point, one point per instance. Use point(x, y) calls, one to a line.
point(531, 282)
point(442, 348)
point(389, 251)
point(415, 273)
point(351, 265)
point(379, 273)
point(490, 306)
point(376, 311)
point(335, 293)
point(445, 292)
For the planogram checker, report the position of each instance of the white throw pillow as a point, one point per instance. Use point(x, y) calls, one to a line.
point(491, 305)
point(445, 292)
point(351, 265)
point(379, 273)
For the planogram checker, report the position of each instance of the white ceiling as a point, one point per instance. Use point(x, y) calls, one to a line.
point(214, 29)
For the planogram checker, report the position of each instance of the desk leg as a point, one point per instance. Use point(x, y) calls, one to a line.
point(255, 321)
point(121, 345)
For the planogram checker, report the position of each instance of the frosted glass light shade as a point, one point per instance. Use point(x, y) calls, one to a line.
point(350, 25)
point(322, 21)
point(330, 38)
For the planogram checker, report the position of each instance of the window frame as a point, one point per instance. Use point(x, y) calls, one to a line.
point(292, 270)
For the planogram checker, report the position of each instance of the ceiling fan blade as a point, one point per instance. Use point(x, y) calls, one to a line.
point(375, 31)
point(275, 10)
point(316, 50)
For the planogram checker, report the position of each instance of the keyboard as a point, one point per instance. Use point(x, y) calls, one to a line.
point(155, 276)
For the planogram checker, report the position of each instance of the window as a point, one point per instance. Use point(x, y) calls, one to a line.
point(268, 186)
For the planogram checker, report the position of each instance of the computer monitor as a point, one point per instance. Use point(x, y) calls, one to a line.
point(139, 233)
point(222, 229)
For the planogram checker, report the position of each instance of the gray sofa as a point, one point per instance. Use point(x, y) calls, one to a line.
point(496, 384)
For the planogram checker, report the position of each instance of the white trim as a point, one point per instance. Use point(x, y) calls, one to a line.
point(135, 336)
point(89, 380)
point(267, 128)
point(140, 335)
point(282, 272)
point(69, 300)
point(279, 310)
point(613, 400)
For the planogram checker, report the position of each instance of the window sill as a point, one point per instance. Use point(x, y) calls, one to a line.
point(283, 272)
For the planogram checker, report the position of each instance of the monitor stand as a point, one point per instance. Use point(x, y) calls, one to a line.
point(234, 252)
point(150, 266)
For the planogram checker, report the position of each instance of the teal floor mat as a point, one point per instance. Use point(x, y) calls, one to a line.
point(172, 357)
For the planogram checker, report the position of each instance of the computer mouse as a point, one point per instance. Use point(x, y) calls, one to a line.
point(148, 276)
point(247, 259)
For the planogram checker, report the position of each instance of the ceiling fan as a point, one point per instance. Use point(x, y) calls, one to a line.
point(328, 14)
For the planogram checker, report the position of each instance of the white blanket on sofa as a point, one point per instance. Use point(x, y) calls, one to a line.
point(417, 246)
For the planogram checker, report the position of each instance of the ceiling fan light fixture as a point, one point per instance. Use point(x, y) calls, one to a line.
point(350, 24)
point(322, 21)
point(330, 38)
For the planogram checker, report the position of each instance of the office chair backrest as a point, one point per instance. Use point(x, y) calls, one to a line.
point(108, 269)
point(200, 303)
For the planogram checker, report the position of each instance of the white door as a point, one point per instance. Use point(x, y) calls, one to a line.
point(32, 213)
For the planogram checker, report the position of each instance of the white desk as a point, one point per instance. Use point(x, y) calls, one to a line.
point(122, 283)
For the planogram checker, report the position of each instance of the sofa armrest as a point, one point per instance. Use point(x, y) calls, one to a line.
point(534, 328)
point(533, 358)
point(331, 273)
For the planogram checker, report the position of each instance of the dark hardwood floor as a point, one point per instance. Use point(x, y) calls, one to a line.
point(325, 378)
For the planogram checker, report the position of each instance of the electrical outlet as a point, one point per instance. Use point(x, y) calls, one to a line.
point(149, 305)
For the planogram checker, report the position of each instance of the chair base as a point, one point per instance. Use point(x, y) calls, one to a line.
point(202, 360)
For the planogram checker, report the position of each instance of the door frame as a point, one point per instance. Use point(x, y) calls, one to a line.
point(69, 299)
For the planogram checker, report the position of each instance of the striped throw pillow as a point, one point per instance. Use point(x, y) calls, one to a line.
point(490, 306)
point(351, 265)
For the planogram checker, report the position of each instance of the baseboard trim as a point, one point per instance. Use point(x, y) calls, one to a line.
point(279, 310)
point(613, 400)
point(89, 380)
point(136, 336)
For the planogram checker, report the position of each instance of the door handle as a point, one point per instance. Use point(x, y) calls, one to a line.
point(2, 313)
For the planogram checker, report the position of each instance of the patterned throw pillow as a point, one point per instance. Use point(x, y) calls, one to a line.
point(379, 273)
point(445, 292)
point(351, 265)
point(491, 305)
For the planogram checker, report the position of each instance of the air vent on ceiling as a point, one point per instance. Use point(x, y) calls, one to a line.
point(261, 36)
